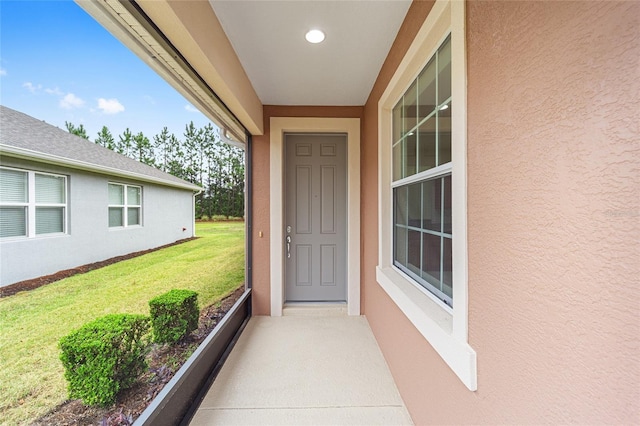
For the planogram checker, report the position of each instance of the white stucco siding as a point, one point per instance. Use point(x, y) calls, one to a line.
point(167, 216)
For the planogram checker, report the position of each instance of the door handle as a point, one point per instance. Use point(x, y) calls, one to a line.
point(288, 239)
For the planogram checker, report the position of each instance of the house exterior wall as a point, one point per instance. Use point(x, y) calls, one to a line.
point(165, 212)
point(553, 210)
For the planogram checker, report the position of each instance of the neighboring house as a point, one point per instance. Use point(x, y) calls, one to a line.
point(483, 184)
point(67, 202)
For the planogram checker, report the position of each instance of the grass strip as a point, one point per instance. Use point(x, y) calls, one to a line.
point(32, 323)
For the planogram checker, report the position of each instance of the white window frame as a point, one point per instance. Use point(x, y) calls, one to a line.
point(444, 327)
point(125, 206)
point(31, 205)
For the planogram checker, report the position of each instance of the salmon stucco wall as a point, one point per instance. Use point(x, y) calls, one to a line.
point(260, 257)
point(553, 222)
point(261, 293)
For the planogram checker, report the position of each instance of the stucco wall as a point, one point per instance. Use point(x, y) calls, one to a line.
point(165, 212)
point(553, 221)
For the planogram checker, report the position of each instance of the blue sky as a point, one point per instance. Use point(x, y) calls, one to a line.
point(58, 64)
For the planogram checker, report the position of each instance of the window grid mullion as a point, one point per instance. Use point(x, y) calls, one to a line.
point(442, 235)
point(406, 238)
point(437, 111)
point(422, 212)
point(417, 133)
point(404, 139)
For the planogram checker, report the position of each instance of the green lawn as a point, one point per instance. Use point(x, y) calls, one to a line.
point(32, 323)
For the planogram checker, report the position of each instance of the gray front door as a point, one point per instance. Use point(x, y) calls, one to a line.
point(315, 217)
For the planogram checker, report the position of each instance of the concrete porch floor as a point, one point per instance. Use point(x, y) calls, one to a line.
point(309, 367)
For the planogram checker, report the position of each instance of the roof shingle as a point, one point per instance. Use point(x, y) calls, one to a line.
point(24, 136)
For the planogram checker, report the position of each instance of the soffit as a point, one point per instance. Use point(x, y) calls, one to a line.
point(284, 69)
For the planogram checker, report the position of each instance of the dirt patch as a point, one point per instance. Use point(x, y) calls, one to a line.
point(32, 284)
point(164, 362)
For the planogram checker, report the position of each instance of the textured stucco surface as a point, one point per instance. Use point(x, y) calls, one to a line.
point(553, 221)
point(260, 235)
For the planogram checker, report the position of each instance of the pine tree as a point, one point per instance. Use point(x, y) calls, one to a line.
point(143, 150)
point(78, 131)
point(126, 143)
point(105, 138)
point(162, 149)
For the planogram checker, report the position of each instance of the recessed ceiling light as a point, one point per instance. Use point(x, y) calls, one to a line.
point(314, 36)
point(443, 107)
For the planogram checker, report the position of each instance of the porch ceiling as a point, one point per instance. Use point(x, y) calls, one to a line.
point(284, 69)
point(252, 53)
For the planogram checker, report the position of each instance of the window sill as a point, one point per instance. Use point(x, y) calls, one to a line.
point(121, 228)
point(433, 321)
point(34, 238)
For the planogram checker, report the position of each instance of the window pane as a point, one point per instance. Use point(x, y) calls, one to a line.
point(444, 134)
point(427, 145)
point(13, 221)
point(400, 246)
point(397, 161)
point(133, 216)
point(413, 251)
point(133, 196)
point(432, 207)
point(116, 194)
point(410, 108)
point(397, 122)
point(431, 259)
point(401, 205)
point(421, 129)
point(427, 87)
point(49, 220)
point(13, 186)
point(116, 216)
point(50, 189)
point(415, 205)
point(410, 155)
point(447, 205)
point(444, 72)
point(447, 268)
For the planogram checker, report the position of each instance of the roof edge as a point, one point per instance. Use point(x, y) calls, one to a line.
point(28, 154)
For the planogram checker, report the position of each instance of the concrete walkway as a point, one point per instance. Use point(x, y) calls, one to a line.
point(306, 369)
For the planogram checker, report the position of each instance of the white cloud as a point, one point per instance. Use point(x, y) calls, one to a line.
point(54, 91)
point(71, 101)
point(31, 87)
point(149, 99)
point(190, 108)
point(3, 72)
point(110, 106)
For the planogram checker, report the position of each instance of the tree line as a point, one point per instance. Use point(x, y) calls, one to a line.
point(200, 157)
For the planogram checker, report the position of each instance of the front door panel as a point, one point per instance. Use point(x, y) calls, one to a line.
point(315, 217)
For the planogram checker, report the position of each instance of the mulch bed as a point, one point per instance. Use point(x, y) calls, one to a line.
point(164, 362)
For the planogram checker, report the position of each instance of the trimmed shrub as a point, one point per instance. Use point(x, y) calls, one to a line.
point(174, 315)
point(105, 356)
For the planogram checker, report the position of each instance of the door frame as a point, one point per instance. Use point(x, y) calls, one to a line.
point(278, 127)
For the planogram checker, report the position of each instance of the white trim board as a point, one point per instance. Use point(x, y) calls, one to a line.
point(279, 126)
